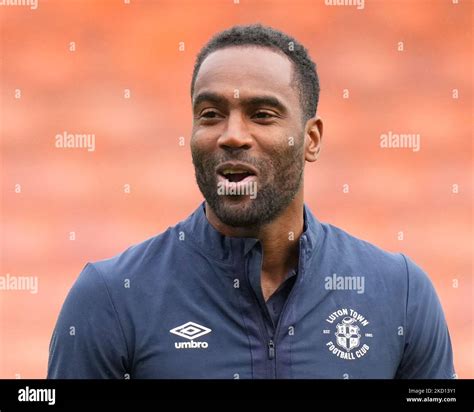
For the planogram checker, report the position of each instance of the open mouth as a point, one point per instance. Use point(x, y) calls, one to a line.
point(235, 172)
point(236, 175)
point(237, 181)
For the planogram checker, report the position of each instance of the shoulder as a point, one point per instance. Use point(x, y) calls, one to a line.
point(137, 259)
point(362, 252)
point(138, 256)
point(392, 269)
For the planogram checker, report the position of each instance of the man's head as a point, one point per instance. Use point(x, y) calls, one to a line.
point(254, 92)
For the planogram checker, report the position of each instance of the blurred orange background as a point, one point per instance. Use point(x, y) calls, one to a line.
point(67, 65)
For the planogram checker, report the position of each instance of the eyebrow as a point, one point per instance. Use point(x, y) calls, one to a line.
point(208, 97)
point(215, 98)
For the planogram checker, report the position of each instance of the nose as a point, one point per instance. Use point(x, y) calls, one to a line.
point(236, 135)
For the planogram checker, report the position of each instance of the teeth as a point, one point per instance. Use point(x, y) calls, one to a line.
point(233, 171)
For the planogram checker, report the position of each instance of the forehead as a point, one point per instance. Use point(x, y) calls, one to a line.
point(250, 69)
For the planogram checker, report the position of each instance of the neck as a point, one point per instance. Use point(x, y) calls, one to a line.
point(279, 239)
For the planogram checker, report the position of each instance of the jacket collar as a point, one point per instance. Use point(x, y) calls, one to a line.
point(224, 248)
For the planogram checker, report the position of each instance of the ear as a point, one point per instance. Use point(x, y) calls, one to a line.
point(313, 138)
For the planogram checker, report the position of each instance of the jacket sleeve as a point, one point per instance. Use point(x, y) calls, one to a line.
point(88, 340)
point(428, 353)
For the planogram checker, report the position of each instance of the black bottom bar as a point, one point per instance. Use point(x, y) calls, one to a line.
point(57, 394)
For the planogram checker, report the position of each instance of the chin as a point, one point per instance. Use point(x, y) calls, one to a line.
point(238, 212)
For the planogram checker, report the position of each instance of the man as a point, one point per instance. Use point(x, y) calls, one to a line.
point(252, 285)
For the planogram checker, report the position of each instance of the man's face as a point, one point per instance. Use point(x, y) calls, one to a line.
point(247, 133)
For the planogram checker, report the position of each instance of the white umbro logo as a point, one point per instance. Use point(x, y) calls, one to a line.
point(191, 331)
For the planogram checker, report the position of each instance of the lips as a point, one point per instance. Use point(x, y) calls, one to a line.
point(235, 172)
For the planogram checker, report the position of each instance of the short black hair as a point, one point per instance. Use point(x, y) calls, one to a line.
point(306, 78)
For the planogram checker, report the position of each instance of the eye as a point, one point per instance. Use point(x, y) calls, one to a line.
point(263, 115)
point(209, 114)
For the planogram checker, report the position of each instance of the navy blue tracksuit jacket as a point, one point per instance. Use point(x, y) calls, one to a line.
point(188, 304)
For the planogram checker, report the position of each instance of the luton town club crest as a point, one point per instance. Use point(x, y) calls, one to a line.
point(352, 337)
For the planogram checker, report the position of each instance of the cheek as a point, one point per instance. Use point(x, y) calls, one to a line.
point(280, 143)
point(203, 139)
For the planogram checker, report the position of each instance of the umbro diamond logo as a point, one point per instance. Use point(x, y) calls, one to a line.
point(191, 331)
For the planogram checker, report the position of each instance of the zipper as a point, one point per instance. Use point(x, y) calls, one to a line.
point(271, 344)
point(267, 338)
point(271, 349)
